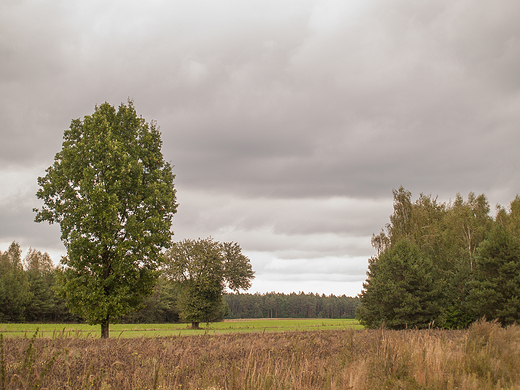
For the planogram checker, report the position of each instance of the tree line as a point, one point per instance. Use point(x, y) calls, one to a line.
point(280, 305)
point(26, 288)
point(28, 294)
point(444, 264)
point(30, 287)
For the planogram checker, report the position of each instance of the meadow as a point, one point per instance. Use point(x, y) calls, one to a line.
point(486, 356)
point(164, 330)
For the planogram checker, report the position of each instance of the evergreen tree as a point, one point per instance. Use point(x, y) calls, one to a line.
point(3, 295)
point(447, 234)
point(400, 291)
point(495, 291)
point(38, 268)
point(465, 226)
point(160, 307)
point(14, 287)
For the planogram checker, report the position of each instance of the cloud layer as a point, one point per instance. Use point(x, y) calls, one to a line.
point(288, 122)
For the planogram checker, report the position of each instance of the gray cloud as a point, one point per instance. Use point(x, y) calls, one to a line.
point(288, 122)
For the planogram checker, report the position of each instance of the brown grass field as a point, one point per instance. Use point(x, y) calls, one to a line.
point(484, 357)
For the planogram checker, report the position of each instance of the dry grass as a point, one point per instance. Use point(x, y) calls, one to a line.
point(484, 357)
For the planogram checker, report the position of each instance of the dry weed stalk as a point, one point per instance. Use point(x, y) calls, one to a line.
point(484, 357)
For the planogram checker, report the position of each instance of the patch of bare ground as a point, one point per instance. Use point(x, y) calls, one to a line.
point(484, 357)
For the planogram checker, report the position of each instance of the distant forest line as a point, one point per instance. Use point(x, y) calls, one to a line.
point(280, 305)
point(27, 295)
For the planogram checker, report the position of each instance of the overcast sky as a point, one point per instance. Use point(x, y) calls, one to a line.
point(289, 122)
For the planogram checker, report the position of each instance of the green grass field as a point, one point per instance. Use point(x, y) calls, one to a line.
point(155, 330)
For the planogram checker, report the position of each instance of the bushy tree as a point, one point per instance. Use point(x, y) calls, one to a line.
point(112, 194)
point(495, 292)
point(204, 268)
point(400, 291)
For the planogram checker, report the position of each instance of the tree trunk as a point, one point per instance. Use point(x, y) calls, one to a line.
point(195, 325)
point(104, 328)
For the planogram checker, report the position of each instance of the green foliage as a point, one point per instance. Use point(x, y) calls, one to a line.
point(2, 299)
point(204, 268)
point(26, 288)
point(112, 194)
point(280, 305)
point(400, 291)
point(14, 285)
point(160, 307)
point(40, 274)
point(472, 267)
point(510, 221)
point(495, 292)
point(200, 302)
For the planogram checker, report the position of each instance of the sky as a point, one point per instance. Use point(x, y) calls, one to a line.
point(288, 122)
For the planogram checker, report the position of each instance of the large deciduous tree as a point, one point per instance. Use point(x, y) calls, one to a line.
point(112, 194)
point(204, 268)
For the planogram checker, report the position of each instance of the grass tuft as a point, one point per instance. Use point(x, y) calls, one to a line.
point(485, 356)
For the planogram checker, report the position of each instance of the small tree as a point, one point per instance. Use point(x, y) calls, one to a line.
point(204, 268)
point(112, 194)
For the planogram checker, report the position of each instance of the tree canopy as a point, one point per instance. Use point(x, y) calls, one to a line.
point(26, 288)
point(14, 285)
point(112, 194)
point(468, 260)
point(495, 290)
point(41, 304)
point(400, 291)
point(204, 268)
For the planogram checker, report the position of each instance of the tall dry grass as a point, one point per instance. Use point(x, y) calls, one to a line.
point(484, 357)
